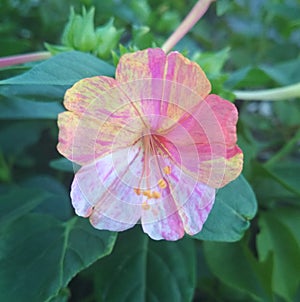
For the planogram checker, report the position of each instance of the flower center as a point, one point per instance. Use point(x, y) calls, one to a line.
point(151, 167)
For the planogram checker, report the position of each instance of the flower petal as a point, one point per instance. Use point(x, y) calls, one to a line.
point(104, 191)
point(86, 91)
point(212, 131)
point(144, 64)
point(102, 120)
point(184, 206)
point(190, 220)
point(153, 63)
point(161, 85)
point(186, 73)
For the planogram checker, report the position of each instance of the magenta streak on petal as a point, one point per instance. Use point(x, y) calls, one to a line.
point(156, 66)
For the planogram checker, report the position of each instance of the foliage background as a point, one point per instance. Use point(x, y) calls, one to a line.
point(241, 45)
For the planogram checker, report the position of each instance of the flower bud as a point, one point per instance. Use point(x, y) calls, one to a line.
point(79, 32)
point(107, 39)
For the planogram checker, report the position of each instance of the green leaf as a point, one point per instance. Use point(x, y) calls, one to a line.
point(20, 109)
point(234, 206)
point(39, 255)
point(16, 137)
point(285, 73)
point(234, 265)
point(41, 193)
point(212, 62)
point(224, 6)
point(140, 269)
point(58, 204)
point(63, 164)
point(17, 202)
point(276, 238)
point(49, 80)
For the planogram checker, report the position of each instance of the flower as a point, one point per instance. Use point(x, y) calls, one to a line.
point(153, 145)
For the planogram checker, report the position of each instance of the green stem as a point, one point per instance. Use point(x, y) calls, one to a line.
point(190, 20)
point(275, 94)
point(20, 59)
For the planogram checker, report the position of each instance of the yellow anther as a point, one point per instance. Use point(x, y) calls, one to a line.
point(162, 184)
point(167, 170)
point(137, 191)
point(147, 193)
point(145, 206)
point(156, 194)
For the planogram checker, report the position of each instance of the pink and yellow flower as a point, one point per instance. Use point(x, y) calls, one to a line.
point(152, 144)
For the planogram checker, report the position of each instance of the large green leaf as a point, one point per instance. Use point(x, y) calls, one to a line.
point(16, 137)
point(234, 207)
point(39, 255)
point(16, 202)
point(283, 74)
point(280, 237)
point(140, 269)
point(234, 265)
point(49, 80)
point(20, 109)
point(42, 194)
point(58, 204)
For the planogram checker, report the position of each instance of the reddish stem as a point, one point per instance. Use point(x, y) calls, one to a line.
point(190, 20)
point(20, 59)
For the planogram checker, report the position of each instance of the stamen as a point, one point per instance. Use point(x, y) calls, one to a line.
point(156, 194)
point(147, 193)
point(162, 183)
point(167, 170)
point(137, 191)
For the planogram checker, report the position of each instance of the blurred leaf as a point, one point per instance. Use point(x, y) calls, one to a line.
point(15, 137)
point(41, 193)
point(63, 164)
point(63, 296)
point(249, 77)
point(223, 6)
point(284, 73)
point(49, 80)
point(234, 207)
point(11, 108)
point(288, 112)
point(276, 238)
point(286, 174)
point(46, 254)
point(58, 203)
point(212, 62)
point(234, 265)
point(140, 269)
point(19, 201)
point(141, 37)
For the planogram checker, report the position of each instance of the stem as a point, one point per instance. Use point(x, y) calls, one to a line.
point(20, 59)
point(190, 20)
point(275, 94)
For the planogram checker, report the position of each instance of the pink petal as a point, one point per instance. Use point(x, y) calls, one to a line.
point(103, 120)
point(144, 64)
point(104, 191)
point(211, 130)
point(160, 85)
point(189, 220)
point(184, 206)
point(153, 63)
point(186, 73)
